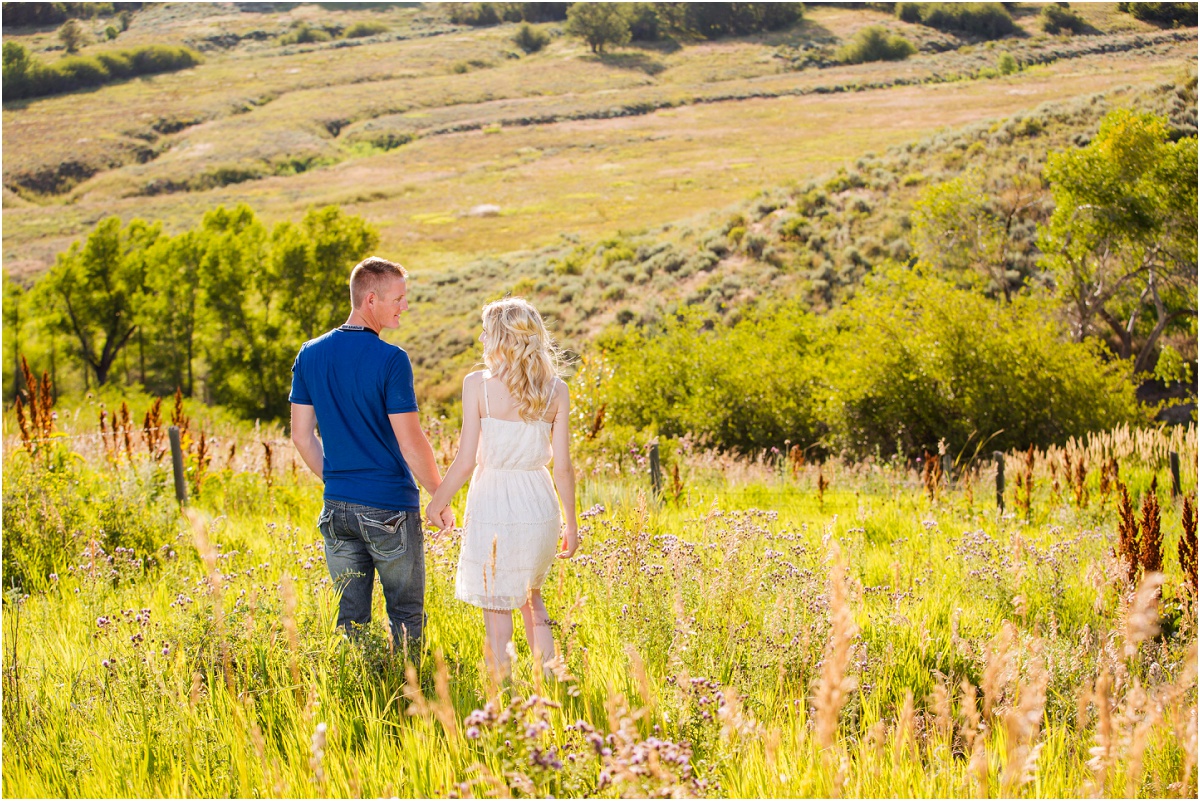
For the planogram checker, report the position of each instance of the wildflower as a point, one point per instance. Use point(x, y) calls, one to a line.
point(473, 733)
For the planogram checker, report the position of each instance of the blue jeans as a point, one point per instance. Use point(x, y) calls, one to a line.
point(360, 540)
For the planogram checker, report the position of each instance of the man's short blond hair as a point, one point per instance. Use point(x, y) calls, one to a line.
point(369, 275)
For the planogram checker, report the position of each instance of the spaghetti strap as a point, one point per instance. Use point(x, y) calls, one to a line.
point(487, 409)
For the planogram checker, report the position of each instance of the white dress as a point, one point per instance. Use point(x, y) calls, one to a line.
point(513, 519)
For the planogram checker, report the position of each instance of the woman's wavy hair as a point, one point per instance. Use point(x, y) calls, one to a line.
point(518, 349)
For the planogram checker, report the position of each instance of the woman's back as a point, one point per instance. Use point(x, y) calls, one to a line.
point(507, 442)
point(512, 522)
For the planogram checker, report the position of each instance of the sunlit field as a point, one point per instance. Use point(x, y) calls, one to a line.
point(759, 628)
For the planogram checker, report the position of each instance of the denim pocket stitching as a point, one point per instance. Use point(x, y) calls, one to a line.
point(394, 524)
point(324, 525)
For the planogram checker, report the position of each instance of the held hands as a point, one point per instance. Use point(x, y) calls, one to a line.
point(441, 517)
point(570, 541)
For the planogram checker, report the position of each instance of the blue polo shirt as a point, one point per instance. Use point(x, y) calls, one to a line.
point(354, 380)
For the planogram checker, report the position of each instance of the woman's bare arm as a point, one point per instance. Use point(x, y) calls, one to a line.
point(564, 471)
point(468, 444)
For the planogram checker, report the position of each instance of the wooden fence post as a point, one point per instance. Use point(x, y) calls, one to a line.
point(655, 470)
point(1176, 487)
point(177, 464)
point(999, 458)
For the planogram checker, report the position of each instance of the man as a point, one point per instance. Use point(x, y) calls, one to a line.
point(359, 390)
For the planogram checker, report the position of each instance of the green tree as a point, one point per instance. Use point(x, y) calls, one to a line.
point(72, 35)
point(965, 230)
point(1122, 238)
point(313, 261)
point(97, 288)
point(170, 310)
point(19, 68)
point(14, 307)
point(599, 24)
point(250, 340)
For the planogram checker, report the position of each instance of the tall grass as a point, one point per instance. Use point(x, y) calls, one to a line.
point(740, 637)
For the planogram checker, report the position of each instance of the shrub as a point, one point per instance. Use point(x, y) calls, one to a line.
point(1171, 14)
point(909, 361)
point(543, 12)
point(362, 29)
point(1007, 65)
point(25, 77)
point(530, 39)
point(989, 20)
point(796, 229)
point(686, 378)
point(40, 14)
point(908, 12)
point(54, 513)
point(714, 20)
point(475, 14)
point(875, 43)
point(1054, 19)
point(72, 35)
point(965, 369)
point(111, 32)
point(305, 34)
point(644, 23)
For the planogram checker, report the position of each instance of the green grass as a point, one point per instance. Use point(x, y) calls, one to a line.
point(723, 590)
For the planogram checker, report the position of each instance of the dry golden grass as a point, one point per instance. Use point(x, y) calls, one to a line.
point(262, 109)
point(587, 177)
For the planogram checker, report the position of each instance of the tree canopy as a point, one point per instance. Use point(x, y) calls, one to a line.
point(1121, 242)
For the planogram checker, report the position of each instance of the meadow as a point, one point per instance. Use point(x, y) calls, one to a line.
point(764, 627)
point(739, 238)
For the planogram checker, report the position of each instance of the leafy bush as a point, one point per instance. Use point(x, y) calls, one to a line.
point(989, 20)
point(28, 14)
point(1055, 19)
point(910, 361)
point(58, 514)
point(743, 387)
point(475, 14)
point(875, 43)
point(645, 24)
point(1007, 65)
point(1172, 14)
point(530, 39)
point(305, 34)
point(26, 77)
point(918, 360)
point(72, 35)
point(909, 12)
point(361, 29)
point(714, 20)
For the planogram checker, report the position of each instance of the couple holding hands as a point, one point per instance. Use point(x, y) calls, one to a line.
point(372, 454)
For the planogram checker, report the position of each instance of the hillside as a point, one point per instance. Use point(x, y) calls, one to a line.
point(487, 170)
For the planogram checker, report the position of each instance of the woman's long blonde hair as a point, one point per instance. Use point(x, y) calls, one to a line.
point(518, 349)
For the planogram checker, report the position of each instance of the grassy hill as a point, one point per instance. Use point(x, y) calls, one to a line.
point(426, 128)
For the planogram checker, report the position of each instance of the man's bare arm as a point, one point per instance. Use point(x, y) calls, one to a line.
point(304, 435)
point(416, 450)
